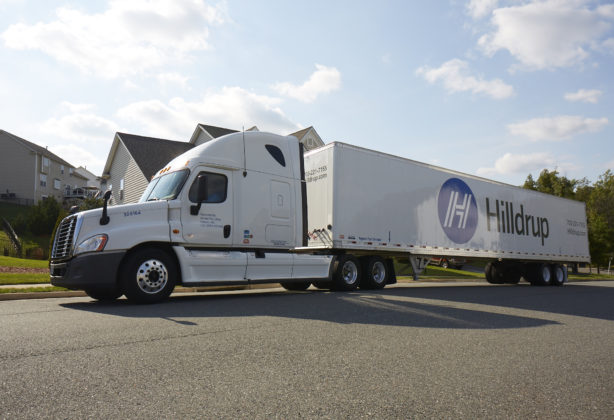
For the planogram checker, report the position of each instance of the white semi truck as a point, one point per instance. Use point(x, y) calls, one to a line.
point(252, 207)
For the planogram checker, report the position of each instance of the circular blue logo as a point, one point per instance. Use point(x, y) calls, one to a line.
point(458, 210)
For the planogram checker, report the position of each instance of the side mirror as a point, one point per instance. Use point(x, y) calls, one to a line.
point(201, 194)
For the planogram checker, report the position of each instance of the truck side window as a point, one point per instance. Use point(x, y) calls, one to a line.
point(276, 153)
point(217, 188)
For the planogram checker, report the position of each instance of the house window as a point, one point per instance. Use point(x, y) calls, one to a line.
point(121, 189)
point(44, 164)
point(70, 171)
point(62, 169)
point(57, 184)
point(43, 180)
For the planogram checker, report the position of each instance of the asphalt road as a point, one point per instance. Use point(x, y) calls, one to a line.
point(420, 350)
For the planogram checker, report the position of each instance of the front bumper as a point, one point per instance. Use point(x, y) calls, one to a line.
point(96, 271)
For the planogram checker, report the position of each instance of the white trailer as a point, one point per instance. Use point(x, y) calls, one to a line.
point(249, 207)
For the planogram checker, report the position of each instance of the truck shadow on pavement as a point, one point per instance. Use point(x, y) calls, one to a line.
point(457, 307)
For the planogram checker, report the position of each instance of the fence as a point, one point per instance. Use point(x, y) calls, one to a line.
point(13, 238)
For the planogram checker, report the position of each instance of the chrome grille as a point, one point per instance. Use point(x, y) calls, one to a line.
point(64, 237)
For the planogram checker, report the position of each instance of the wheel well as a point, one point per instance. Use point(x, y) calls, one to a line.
point(159, 245)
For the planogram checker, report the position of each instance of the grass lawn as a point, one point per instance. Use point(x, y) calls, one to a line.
point(23, 278)
point(32, 289)
point(22, 262)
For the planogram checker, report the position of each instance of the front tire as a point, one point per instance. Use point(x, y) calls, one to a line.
point(104, 295)
point(149, 275)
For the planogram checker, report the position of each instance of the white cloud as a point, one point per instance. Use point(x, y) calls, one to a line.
point(548, 34)
point(79, 156)
point(80, 125)
point(453, 75)
point(584, 95)
point(477, 9)
point(166, 79)
point(128, 38)
point(231, 107)
point(557, 128)
point(518, 163)
point(323, 80)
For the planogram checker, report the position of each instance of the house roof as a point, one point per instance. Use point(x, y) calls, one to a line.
point(37, 149)
point(151, 153)
point(301, 133)
point(212, 130)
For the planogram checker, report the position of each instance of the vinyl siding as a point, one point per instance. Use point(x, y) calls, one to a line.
point(18, 168)
point(124, 167)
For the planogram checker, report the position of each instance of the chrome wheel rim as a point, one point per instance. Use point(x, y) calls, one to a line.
point(546, 274)
point(152, 276)
point(559, 276)
point(378, 272)
point(349, 273)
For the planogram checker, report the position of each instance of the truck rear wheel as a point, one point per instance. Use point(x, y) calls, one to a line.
point(148, 275)
point(539, 274)
point(375, 275)
point(347, 273)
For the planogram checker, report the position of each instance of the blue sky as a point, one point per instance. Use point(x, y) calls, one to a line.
point(494, 88)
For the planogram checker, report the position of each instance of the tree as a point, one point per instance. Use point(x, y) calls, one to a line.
point(600, 209)
point(551, 183)
point(599, 199)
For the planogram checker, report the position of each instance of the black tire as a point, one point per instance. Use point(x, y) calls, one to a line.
point(104, 295)
point(148, 275)
point(346, 273)
point(295, 286)
point(512, 274)
point(375, 274)
point(544, 274)
point(494, 273)
point(559, 274)
point(323, 284)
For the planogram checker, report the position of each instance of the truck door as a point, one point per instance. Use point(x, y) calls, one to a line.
point(208, 233)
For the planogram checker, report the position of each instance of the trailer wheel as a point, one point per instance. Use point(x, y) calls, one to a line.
point(375, 274)
point(559, 275)
point(104, 295)
point(346, 275)
point(494, 273)
point(295, 286)
point(539, 274)
point(148, 275)
point(512, 274)
point(444, 263)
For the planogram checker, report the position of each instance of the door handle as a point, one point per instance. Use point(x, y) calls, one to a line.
point(226, 231)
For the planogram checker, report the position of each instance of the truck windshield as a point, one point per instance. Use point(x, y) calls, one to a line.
point(166, 187)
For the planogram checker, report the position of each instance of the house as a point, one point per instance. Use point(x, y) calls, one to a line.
point(309, 138)
point(30, 173)
point(134, 160)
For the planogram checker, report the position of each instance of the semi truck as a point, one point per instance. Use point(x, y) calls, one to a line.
point(254, 207)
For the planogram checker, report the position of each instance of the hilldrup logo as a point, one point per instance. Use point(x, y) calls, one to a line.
point(458, 210)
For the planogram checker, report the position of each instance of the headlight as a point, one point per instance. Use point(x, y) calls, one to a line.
point(93, 244)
